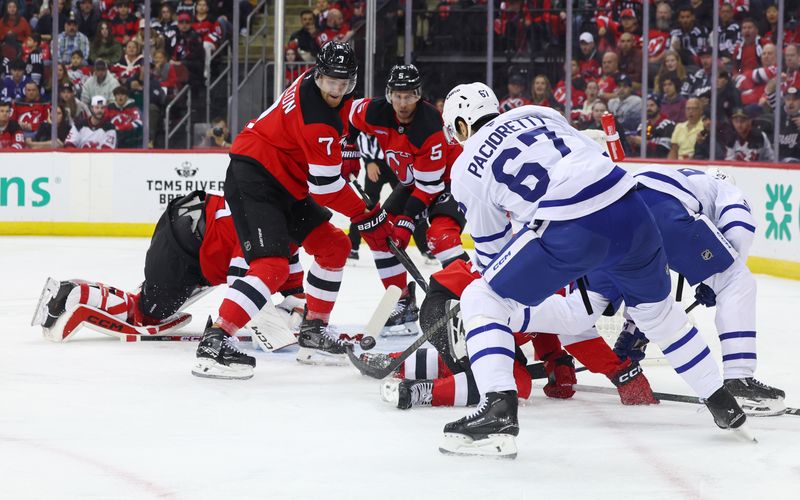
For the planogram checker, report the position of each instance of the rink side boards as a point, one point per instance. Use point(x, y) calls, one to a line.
point(123, 193)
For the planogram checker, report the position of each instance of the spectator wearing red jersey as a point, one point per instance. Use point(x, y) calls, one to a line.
point(608, 82)
point(30, 111)
point(659, 39)
point(125, 25)
point(293, 67)
point(164, 72)
point(516, 94)
point(630, 59)
point(128, 65)
point(577, 95)
point(11, 136)
point(42, 139)
point(791, 67)
point(126, 118)
point(771, 24)
point(747, 53)
point(589, 60)
point(209, 31)
point(542, 92)
point(752, 83)
point(335, 28)
point(609, 31)
point(13, 23)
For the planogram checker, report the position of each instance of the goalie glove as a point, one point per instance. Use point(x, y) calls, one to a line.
point(631, 343)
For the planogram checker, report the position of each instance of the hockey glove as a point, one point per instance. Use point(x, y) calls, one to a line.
point(403, 229)
point(560, 371)
point(631, 343)
point(705, 295)
point(351, 161)
point(375, 228)
point(633, 386)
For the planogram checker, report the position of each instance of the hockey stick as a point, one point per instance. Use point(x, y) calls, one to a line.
point(379, 373)
point(172, 338)
point(663, 396)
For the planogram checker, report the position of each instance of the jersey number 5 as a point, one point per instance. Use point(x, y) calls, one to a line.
point(436, 152)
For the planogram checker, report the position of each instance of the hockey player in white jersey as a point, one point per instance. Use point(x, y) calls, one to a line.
point(708, 229)
point(573, 212)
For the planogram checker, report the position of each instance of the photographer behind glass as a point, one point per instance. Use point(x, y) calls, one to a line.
point(218, 135)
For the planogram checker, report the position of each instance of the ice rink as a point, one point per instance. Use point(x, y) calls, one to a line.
point(96, 418)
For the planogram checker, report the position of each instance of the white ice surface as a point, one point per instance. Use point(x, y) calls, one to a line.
point(95, 418)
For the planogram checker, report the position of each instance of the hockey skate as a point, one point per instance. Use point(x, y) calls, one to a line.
point(219, 357)
point(407, 393)
point(488, 432)
point(756, 398)
point(727, 413)
point(403, 320)
point(320, 344)
point(52, 302)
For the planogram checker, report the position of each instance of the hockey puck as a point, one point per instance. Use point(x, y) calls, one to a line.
point(367, 343)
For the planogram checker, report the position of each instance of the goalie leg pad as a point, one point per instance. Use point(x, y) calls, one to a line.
point(271, 328)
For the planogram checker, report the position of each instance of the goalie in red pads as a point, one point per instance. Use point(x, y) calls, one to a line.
point(194, 248)
point(443, 378)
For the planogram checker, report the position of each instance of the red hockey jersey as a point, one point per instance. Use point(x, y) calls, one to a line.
point(220, 243)
point(417, 152)
point(298, 140)
point(31, 113)
point(125, 118)
point(11, 136)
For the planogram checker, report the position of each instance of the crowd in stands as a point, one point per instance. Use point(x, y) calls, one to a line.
point(607, 73)
point(100, 74)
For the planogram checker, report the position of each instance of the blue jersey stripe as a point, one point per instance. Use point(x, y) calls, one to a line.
point(671, 182)
point(492, 237)
point(737, 335)
point(590, 191)
point(486, 328)
point(491, 350)
point(526, 318)
point(739, 355)
point(489, 256)
point(737, 223)
point(680, 342)
point(731, 207)
point(688, 366)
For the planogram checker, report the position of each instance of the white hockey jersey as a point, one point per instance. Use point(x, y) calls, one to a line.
point(723, 203)
point(103, 137)
point(530, 164)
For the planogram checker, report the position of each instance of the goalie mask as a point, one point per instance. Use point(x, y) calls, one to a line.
point(468, 103)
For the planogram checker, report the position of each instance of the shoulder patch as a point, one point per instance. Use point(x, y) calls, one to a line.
point(314, 109)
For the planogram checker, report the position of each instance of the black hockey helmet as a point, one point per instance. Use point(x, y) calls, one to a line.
point(404, 77)
point(337, 60)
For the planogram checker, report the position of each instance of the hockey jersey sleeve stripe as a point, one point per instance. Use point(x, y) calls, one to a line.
point(740, 355)
point(736, 335)
point(492, 237)
point(328, 186)
point(324, 170)
point(489, 256)
point(486, 328)
point(434, 176)
point(731, 207)
point(430, 189)
point(222, 212)
point(688, 366)
point(590, 191)
point(737, 223)
point(322, 284)
point(526, 319)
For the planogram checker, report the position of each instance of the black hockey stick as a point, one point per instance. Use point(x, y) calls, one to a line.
point(380, 373)
point(663, 396)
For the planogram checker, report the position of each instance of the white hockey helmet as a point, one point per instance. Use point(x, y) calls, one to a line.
point(721, 175)
point(469, 102)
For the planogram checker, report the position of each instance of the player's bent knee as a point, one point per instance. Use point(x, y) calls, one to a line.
point(329, 245)
point(479, 298)
point(660, 321)
point(272, 271)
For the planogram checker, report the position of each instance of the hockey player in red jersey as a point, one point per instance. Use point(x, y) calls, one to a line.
point(194, 248)
point(444, 378)
point(409, 131)
point(285, 167)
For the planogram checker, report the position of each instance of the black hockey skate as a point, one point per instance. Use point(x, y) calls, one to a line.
point(756, 398)
point(52, 302)
point(218, 357)
point(407, 393)
point(319, 346)
point(353, 255)
point(490, 431)
point(727, 413)
point(403, 320)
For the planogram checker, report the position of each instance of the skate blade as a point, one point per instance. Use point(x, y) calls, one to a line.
point(390, 391)
point(208, 368)
point(762, 407)
point(493, 446)
point(404, 330)
point(49, 291)
point(743, 432)
point(307, 356)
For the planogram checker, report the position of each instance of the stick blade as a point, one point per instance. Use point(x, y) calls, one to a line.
point(383, 311)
